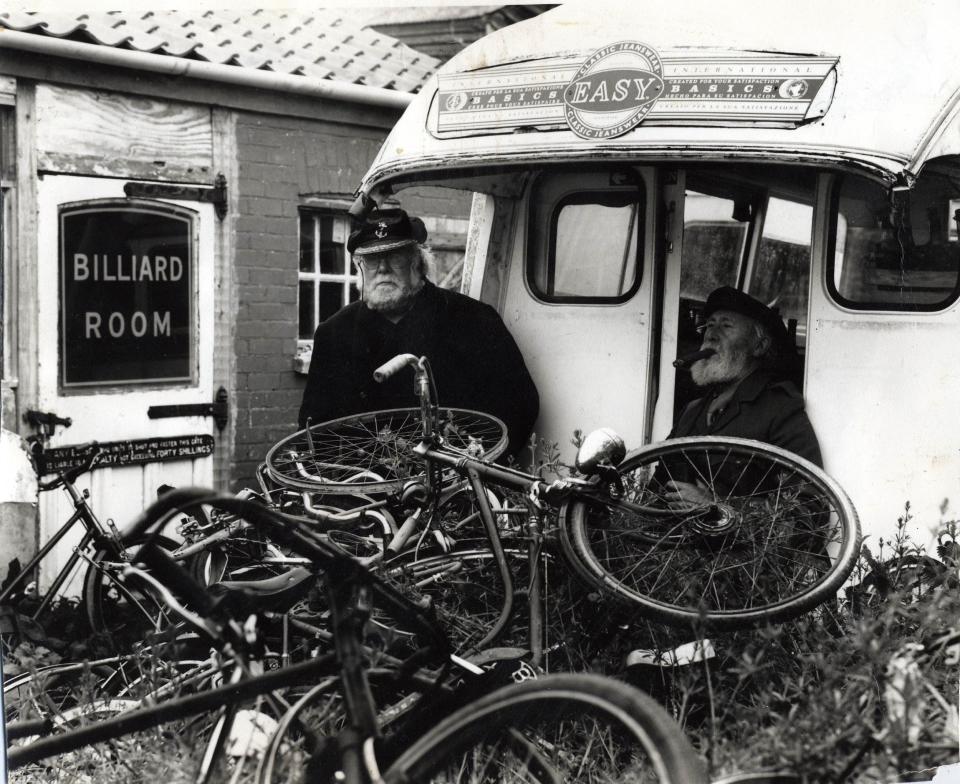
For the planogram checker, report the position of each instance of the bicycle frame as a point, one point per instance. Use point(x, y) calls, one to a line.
point(478, 472)
point(351, 594)
point(94, 533)
point(440, 462)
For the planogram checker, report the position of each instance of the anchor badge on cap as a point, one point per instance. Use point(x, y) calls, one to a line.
point(381, 231)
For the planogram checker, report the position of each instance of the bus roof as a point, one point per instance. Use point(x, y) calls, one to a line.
point(869, 83)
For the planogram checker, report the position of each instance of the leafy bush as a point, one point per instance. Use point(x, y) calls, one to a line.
point(862, 690)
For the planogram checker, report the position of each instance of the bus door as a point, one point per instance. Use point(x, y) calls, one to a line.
point(883, 391)
point(578, 300)
point(745, 226)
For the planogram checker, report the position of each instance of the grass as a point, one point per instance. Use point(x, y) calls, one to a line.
point(861, 690)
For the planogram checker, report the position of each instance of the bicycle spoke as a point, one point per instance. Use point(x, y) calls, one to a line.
point(374, 451)
point(769, 533)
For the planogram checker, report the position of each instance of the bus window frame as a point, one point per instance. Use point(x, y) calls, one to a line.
point(546, 252)
point(829, 267)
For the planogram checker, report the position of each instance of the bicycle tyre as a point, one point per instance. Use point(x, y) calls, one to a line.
point(51, 689)
point(373, 452)
point(118, 616)
point(779, 539)
point(558, 728)
point(465, 591)
point(317, 715)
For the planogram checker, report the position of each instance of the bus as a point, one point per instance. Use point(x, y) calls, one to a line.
point(627, 159)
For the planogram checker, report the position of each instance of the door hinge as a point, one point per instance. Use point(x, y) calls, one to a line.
point(219, 409)
point(217, 195)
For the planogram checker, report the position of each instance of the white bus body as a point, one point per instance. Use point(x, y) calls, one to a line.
point(626, 159)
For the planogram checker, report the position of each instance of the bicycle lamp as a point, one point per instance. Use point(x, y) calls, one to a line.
point(602, 447)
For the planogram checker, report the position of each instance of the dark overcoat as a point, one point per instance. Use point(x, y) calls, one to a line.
point(762, 408)
point(476, 362)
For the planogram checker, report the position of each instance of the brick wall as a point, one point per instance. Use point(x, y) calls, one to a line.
point(281, 161)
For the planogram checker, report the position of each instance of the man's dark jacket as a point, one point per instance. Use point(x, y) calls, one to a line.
point(475, 361)
point(762, 408)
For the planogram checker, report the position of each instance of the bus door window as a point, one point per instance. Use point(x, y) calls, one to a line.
point(750, 229)
point(780, 272)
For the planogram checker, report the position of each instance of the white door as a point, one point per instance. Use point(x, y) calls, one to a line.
point(125, 323)
point(579, 300)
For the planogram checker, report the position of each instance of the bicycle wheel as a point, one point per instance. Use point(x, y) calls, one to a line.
point(559, 728)
point(777, 538)
point(53, 689)
point(122, 611)
point(313, 719)
point(175, 746)
point(465, 590)
point(373, 452)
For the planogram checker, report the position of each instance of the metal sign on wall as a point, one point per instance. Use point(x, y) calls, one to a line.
point(126, 293)
point(135, 452)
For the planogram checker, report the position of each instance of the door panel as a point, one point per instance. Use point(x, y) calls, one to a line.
point(112, 411)
point(578, 311)
point(882, 381)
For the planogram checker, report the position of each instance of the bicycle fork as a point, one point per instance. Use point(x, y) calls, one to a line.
point(534, 531)
point(350, 605)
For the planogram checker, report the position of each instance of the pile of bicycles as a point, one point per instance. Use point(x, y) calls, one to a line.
point(378, 609)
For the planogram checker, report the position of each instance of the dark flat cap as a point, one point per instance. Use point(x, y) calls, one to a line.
point(386, 230)
point(727, 298)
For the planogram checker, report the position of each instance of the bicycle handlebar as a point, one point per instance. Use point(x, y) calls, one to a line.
point(393, 366)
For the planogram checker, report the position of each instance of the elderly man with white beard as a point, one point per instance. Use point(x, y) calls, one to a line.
point(475, 361)
point(745, 395)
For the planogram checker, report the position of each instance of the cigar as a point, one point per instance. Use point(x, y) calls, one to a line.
point(687, 360)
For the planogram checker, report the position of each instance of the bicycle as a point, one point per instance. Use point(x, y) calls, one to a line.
point(111, 608)
point(547, 729)
point(778, 538)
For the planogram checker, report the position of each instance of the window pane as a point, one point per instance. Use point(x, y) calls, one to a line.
point(331, 299)
point(712, 245)
point(897, 257)
point(306, 243)
point(593, 249)
point(307, 326)
point(332, 256)
point(781, 274)
point(590, 233)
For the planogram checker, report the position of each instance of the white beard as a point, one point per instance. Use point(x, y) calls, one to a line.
point(392, 299)
point(721, 368)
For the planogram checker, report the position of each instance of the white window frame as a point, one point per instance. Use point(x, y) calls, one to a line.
point(347, 277)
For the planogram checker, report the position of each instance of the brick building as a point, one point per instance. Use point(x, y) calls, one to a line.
point(174, 190)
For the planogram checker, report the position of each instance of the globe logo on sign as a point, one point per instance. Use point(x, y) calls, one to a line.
point(793, 88)
point(613, 90)
point(456, 102)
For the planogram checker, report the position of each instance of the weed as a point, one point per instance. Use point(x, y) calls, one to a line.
point(863, 689)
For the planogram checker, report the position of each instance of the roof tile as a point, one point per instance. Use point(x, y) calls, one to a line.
point(318, 44)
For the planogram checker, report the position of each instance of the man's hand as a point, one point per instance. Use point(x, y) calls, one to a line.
point(686, 495)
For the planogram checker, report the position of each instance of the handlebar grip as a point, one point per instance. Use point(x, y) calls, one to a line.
point(403, 535)
point(394, 366)
point(175, 577)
